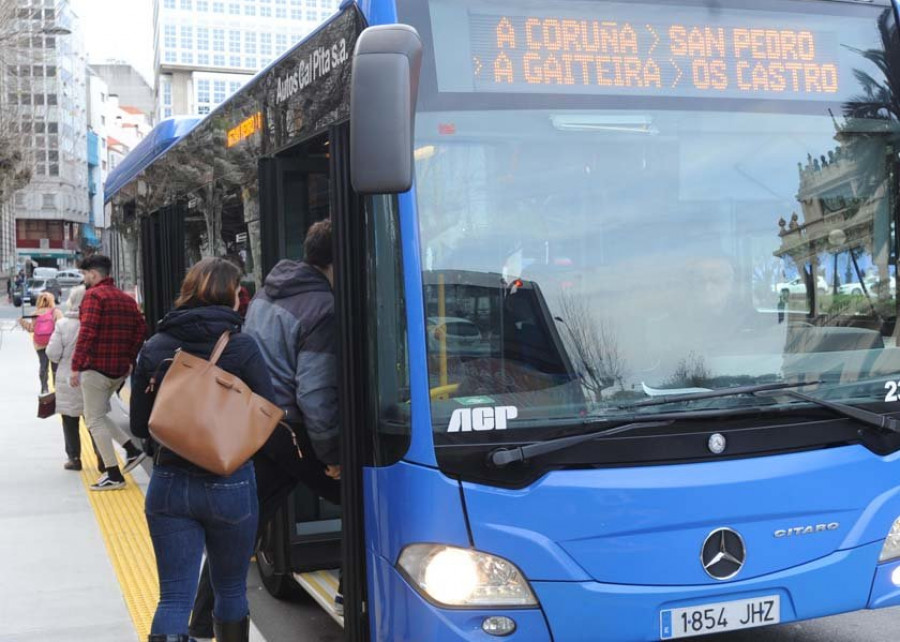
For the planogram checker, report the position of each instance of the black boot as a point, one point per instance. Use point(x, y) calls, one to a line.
point(159, 637)
point(232, 631)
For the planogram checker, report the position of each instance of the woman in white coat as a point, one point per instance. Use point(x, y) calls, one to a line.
point(69, 403)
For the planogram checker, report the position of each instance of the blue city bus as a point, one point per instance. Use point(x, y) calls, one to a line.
point(616, 297)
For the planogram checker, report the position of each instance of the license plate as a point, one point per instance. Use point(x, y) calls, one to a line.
point(722, 616)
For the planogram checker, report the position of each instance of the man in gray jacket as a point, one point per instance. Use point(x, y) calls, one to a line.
point(292, 319)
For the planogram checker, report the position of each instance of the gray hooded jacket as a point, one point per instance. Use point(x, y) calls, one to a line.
point(292, 320)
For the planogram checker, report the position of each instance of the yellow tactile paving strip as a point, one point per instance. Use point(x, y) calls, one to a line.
point(120, 515)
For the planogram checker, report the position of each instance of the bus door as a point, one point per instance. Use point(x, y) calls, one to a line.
point(162, 261)
point(303, 542)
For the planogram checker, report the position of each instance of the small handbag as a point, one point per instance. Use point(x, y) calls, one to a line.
point(46, 405)
point(208, 416)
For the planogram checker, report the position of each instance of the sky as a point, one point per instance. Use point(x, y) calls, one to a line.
point(118, 30)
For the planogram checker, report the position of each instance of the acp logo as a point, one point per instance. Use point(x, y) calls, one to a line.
point(482, 419)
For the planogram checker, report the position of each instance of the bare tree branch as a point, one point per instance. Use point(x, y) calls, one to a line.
point(592, 345)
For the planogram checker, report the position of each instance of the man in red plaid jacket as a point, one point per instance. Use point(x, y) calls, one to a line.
point(111, 334)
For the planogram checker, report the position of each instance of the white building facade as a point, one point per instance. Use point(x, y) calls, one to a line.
point(207, 49)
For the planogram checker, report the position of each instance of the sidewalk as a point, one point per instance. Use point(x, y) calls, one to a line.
point(57, 582)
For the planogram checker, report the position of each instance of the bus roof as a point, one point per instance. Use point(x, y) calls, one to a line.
point(158, 141)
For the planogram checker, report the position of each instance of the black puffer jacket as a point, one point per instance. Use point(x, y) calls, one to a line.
point(195, 330)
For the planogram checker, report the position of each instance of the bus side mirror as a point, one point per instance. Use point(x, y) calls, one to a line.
point(386, 65)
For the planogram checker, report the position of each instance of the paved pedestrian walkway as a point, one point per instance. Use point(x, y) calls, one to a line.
point(77, 565)
point(57, 581)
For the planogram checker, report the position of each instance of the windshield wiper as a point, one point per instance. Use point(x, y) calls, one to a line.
point(864, 416)
point(715, 394)
point(506, 456)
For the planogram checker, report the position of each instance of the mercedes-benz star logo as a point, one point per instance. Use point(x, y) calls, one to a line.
point(717, 444)
point(723, 554)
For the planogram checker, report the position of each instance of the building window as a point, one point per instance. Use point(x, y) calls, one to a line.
point(265, 12)
point(218, 40)
point(203, 110)
point(39, 128)
point(169, 37)
point(38, 99)
point(218, 7)
point(311, 16)
point(265, 44)
point(234, 41)
point(169, 56)
point(168, 4)
point(51, 71)
point(296, 14)
point(202, 38)
point(281, 8)
point(202, 58)
point(233, 87)
point(202, 91)
point(202, 5)
point(249, 10)
point(218, 91)
point(167, 112)
point(250, 43)
point(187, 58)
point(219, 60)
point(51, 99)
point(186, 5)
point(234, 9)
point(187, 37)
point(49, 201)
point(53, 128)
point(234, 61)
point(281, 42)
point(54, 169)
point(250, 61)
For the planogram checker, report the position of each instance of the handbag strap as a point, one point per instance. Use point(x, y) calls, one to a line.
point(220, 347)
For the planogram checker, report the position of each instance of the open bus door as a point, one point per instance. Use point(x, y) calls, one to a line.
point(302, 545)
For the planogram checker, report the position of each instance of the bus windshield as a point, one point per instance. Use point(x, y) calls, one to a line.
point(621, 201)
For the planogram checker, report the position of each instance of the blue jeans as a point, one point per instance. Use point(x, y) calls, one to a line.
point(187, 511)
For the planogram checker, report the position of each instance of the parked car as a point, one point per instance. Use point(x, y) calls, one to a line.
point(798, 285)
point(873, 286)
point(44, 273)
point(69, 278)
point(460, 336)
point(33, 289)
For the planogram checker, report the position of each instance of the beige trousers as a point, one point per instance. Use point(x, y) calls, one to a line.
point(97, 390)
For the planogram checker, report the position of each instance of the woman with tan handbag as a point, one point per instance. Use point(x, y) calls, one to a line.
point(188, 507)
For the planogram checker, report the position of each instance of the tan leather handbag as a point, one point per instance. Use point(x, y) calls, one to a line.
point(209, 416)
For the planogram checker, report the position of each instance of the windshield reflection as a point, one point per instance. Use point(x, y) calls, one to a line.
point(702, 250)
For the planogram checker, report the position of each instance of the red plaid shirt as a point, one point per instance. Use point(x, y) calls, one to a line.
point(112, 331)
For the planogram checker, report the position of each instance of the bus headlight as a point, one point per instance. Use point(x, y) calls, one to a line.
point(891, 549)
point(462, 577)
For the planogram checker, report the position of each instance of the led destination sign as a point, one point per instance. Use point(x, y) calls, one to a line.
point(605, 53)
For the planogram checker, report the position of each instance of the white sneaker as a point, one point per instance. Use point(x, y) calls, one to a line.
point(105, 483)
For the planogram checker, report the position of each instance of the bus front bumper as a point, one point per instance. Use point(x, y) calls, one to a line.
point(594, 612)
point(839, 583)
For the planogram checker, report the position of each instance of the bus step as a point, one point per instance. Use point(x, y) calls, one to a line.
point(322, 586)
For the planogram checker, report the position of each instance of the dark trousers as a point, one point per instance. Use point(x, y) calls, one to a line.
point(187, 511)
point(72, 435)
point(45, 364)
point(274, 483)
